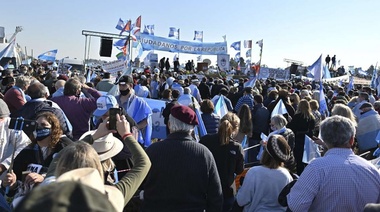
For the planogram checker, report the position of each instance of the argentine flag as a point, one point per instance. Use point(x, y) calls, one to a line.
point(48, 56)
point(173, 32)
point(250, 83)
point(279, 108)
point(221, 107)
point(198, 35)
point(148, 29)
point(310, 151)
point(8, 51)
point(236, 45)
point(316, 69)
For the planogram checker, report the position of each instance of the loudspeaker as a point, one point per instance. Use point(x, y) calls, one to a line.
point(105, 47)
point(293, 69)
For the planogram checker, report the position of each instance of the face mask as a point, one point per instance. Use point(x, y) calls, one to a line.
point(41, 134)
point(125, 92)
point(273, 128)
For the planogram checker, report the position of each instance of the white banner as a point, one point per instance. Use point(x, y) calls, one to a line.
point(279, 74)
point(224, 62)
point(115, 66)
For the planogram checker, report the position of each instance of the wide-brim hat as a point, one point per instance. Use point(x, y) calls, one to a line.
point(91, 177)
point(106, 146)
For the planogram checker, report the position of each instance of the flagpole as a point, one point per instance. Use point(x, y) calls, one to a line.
point(178, 49)
point(85, 52)
point(261, 56)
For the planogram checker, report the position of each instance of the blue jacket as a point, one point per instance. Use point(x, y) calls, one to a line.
point(211, 122)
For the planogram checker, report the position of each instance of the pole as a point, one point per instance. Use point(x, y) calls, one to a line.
point(85, 52)
point(88, 49)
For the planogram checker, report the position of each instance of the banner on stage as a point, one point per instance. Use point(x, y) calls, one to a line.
point(150, 42)
point(274, 73)
point(159, 127)
point(224, 62)
point(115, 66)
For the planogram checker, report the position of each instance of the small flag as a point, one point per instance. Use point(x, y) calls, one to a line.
point(260, 43)
point(198, 35)
point(251, 83)
point(326, 73)
point(237, 57)
point(316, 69)
point(147, 58)
point(138, 22)
point(248, 44)
point(48, 56)
point(121, 56)
point(350, 85)
point(201, 125)
point(148, 29)
point(120, 43)
point(221, 107)
point(120, 24)
point(248, 53)
point(8, 51)
point(199, 58)
point(126, 28)
point(374, 77)
point(236, 45)
point(322, 100)
point(175, 57)
point(224, 38)
point(279, 109)
point(174, 32)
point(310, 151)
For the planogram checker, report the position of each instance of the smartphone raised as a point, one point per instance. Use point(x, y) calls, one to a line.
point(112, 118)
point(22, 124)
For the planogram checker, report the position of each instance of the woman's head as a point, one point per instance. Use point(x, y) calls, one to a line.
point(48, 125)
point(245, 119)
point(229, 125)
point(207, 106)
point(345, 111)
point(78, 155)
point(277, 151)
point(314, 105)
point(294, 99)
point(304, 108)
point(277, 122)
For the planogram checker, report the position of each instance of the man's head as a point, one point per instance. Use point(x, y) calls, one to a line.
point(37, 90)
point(338, 131)
point(182, 118)
point(125, 85)
point(106, 75)
point(363, 96)
point(59, 84)
point(23, 82)
point(104, 103)
point(366, 107)
point(72, 87)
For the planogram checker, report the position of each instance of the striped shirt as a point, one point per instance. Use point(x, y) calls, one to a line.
point(246, 99)
point(339, 181)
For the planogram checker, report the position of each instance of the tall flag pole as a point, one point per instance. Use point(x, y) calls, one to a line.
point(258, 64)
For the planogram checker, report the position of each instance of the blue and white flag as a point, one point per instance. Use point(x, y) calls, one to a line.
point(48, 56)
point(199, 58)
point(326, 73)
point(361, 72)
point(248, 53)
point(198, 35)
point(120, 24)
point(310, 150)
point(237, 57)
point(322, 100)
point(8, 51)
point(236, 45)
point(316, 69)
point(221, 107)
point(201, 125)
point(120, 43)
point(374, 78)
point(148, 29)
point(279, 109)
point(174, 32)
point(350, 85)
point(251, 83)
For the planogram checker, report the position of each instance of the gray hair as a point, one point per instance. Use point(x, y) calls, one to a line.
point(279, 121)
point(336, 131)
point(176, 125)
point(22, 81)
point(186, 90)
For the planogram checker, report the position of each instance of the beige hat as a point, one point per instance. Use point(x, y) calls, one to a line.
point(91, 177)
point(106, 146)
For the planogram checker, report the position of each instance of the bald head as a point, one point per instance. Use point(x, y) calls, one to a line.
point(59, 84)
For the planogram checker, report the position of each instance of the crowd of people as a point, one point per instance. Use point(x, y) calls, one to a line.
point(71, 159)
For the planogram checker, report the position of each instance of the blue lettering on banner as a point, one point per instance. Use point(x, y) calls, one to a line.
point(150, 42)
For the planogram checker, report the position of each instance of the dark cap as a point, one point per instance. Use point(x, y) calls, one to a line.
point(125, 80)
point(184, 114)
point(367, 104)
point(278, 148)
point(106, 75)
point(248, 89)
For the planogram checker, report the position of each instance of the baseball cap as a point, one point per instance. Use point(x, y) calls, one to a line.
point(104, 103)
point(125, 80)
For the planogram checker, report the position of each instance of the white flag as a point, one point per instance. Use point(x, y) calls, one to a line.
point(279, 109)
